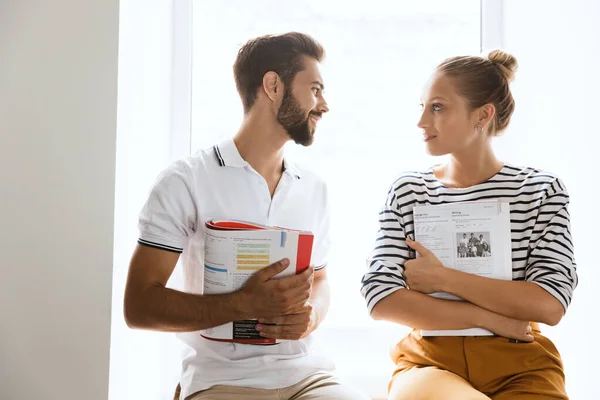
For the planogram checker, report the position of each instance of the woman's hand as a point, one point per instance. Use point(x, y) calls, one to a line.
point(510, 328)
point(425, 274)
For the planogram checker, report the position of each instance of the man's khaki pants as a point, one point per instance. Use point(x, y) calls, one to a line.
point(321, 386)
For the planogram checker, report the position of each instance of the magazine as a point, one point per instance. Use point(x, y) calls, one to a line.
point(234, 251)
point(472, 237)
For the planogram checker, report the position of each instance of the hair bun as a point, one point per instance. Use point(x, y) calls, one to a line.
point(505, 61)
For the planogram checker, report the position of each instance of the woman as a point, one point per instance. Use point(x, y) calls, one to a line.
point(466, 103)
point(485, 247)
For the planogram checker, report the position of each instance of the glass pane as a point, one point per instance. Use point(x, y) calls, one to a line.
point(379, 56)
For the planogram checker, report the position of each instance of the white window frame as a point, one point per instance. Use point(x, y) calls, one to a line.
point(492, 24)
point(181, 99)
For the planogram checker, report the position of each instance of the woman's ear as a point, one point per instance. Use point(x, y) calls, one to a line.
point(486, 114)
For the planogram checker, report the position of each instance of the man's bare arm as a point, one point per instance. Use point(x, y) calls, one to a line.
point(149, 304)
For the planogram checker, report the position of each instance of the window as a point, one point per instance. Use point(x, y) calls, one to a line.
point(379, 56)
point(378, 59)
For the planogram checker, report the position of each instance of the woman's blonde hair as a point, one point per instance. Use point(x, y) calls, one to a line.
point(485, 80)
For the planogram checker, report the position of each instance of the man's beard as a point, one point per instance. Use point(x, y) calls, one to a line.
point(294, 120)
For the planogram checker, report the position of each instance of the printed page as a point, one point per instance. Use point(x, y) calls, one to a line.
point(469, 237)
point(231, 257)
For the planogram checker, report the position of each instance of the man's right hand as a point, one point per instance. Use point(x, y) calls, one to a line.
point(263, 296)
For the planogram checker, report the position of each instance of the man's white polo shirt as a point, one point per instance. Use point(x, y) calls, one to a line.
point(218, 184)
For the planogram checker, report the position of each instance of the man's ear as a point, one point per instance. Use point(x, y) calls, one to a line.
point(272, 85)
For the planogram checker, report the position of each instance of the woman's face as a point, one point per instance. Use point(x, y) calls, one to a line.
point(447, 122)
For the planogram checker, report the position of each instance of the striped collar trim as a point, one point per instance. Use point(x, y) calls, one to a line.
point(227, 155)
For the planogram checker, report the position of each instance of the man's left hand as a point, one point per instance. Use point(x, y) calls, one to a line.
point(291, 326)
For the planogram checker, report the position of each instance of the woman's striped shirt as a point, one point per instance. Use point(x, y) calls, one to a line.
point(542, 248)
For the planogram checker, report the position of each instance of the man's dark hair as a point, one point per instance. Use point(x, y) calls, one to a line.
point(281, 54)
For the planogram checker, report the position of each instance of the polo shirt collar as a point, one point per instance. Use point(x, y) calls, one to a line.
point(291, 169)
point(228, 155)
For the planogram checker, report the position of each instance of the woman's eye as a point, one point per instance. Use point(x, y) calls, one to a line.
point(436, 107)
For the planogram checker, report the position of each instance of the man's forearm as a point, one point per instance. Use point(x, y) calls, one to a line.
point(420, 311)
point(163, 309)
point(515, 299)
point(319, 299)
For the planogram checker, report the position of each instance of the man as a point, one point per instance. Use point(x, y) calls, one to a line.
point(249, 179)
point(462, 246)
point(483, 248)
point(473, 245)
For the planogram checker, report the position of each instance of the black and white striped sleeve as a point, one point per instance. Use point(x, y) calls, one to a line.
point(169, 215)
point(551, 263)
point(385, 264)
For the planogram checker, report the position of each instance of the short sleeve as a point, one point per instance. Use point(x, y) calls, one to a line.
point(168, 218)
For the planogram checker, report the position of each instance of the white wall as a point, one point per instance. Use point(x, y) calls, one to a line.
point(58, 102)
point(557, 44)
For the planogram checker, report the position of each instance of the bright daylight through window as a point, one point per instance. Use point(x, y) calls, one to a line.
point(378, 57)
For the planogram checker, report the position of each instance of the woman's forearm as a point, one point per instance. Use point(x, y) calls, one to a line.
point(515, 299)
point(420, 311)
